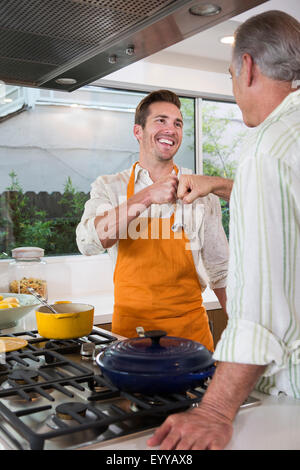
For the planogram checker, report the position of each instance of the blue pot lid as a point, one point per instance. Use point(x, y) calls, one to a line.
point(157, 354)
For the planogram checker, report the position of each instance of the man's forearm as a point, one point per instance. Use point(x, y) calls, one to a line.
point(193, 186)
point(113, 225)
point(221, 294)
point(231, 385)
point(222, 187)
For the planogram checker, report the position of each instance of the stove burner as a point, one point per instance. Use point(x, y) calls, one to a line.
point(23, 376)
point(68, 410)
point(153, 402)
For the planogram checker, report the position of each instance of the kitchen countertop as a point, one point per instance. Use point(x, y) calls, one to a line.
point(104, 303)
point(272, 425)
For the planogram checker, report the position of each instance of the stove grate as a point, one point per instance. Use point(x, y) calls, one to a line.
point(56, 372)
point(100, 420)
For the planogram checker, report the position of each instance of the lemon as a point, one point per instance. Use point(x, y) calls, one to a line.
point(10, 299)
point(5, 305)
point(1, 297)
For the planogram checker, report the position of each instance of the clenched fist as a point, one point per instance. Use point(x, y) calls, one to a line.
point(164, 190)
point(191, 187)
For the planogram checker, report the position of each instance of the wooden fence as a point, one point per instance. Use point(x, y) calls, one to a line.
point(49, 202)
point(17, 208)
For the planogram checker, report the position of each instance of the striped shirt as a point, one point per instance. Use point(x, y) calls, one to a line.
point(263, 290)
point(202, 222)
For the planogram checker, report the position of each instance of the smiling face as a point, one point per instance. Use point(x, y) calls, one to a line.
point(161, 137)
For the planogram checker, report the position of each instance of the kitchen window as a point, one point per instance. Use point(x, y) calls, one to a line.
point(53, 145)
point(223, 132)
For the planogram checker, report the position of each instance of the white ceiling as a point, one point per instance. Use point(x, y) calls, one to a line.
point(204, 51)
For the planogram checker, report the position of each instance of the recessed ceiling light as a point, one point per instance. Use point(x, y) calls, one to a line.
point(7, 100)
point(206, 9)
point(66, 81)
point(227, 40)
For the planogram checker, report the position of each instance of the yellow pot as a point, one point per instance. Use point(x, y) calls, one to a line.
point(71, 321)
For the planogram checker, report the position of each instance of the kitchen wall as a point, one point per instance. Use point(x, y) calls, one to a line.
point(71, 276)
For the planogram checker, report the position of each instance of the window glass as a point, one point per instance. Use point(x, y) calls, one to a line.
point(12, 99)
point(223, 134)
point(53, 146)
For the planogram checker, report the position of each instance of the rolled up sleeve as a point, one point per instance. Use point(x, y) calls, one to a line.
point(247, 342)
point(86, 235)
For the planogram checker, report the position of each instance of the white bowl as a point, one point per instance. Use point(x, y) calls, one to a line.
point(10, 316)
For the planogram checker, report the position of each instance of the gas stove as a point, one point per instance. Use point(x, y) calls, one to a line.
point(53, 396)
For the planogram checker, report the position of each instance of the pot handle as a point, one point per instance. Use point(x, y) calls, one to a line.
point(155, 336)
point(62, 316)
point(204, 374)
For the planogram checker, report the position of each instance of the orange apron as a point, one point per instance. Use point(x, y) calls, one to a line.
point(156, 283)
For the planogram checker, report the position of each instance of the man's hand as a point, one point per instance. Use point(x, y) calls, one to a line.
point(164, 190)
point(193, 186)
point(210, 425)
point(114, 222)
point(198, 429)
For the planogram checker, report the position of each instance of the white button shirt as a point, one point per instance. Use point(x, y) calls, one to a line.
point(202, 222)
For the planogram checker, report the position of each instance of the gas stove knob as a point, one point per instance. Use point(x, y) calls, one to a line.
point(87, 350)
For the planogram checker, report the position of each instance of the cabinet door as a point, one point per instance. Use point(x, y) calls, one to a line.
point(218, 322)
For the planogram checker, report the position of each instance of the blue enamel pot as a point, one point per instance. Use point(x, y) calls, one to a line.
point(156, 364)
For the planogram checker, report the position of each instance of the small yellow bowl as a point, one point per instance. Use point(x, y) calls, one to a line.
point(71, 321)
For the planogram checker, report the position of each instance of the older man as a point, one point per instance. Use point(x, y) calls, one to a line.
point(260, 346)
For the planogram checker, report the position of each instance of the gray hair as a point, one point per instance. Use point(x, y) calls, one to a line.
point(272, 39)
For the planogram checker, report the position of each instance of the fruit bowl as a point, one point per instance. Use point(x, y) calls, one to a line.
point(9, 316)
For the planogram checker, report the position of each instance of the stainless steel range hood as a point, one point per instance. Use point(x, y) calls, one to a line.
point(64, 44)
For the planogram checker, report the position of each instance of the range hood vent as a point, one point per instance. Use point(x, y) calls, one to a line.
point(64, 44)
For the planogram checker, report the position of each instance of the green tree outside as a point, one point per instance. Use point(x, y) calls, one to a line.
point(23, 225)
point(217, 155)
